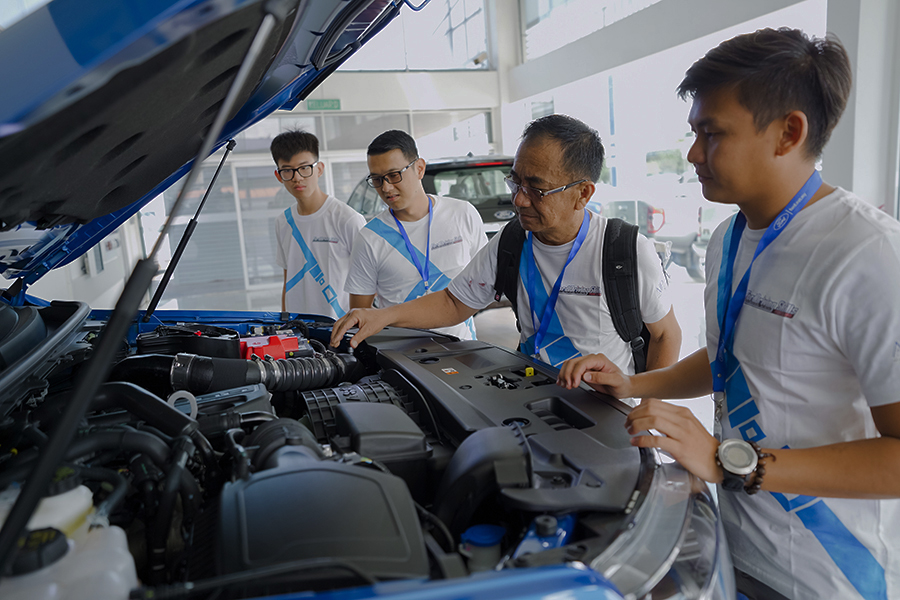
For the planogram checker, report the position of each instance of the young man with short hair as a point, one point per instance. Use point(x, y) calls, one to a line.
point(803, 334)
point(314, 236)
point(551, 181)
point(419, 243)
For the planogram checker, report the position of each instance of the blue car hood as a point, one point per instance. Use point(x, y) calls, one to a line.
point(106, 103)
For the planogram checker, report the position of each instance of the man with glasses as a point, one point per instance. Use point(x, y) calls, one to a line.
point(419, 243)
point(315, 235)
point(562, 308)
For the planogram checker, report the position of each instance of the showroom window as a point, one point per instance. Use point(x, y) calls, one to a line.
point(450, 34)
point(551, 24)
point(230, 261)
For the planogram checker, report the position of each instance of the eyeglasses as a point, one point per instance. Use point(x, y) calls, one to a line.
point(534, 194)
point(305, 171)
point(376, 181)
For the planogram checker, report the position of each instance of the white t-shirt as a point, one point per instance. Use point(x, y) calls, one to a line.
point(315, 251)
point(818, 342)
point(581, 323)
point(381, 264)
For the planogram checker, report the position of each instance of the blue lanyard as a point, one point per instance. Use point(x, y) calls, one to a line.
point(423, 272)
point(534, 279)
point(728, 318)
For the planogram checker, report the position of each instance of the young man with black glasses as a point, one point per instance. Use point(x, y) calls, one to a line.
point(315, 235)
point(562, 308)
point(419, 243)
point(803, 334)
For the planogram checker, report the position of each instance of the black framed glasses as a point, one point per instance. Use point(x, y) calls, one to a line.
point(376, 181)
point(305, 171)
point(534, 194)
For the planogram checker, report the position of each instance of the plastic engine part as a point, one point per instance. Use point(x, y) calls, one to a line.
point(276, 346)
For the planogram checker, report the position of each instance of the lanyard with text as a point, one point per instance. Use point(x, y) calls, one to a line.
point(423, 272)
point(534, 280)
point(726, 272)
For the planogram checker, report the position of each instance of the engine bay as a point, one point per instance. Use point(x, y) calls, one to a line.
point(250, 454)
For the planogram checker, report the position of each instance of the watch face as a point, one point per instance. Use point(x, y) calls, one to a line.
point(737, 456)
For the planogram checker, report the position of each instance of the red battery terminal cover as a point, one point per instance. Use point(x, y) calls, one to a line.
point(276, 346)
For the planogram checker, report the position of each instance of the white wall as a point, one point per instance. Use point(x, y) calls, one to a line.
point(862, 154)
point(410, 90)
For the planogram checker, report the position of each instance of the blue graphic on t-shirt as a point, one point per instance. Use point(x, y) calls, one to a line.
point(441, 281)
point(312, 267)
point(556, 345)
point(853, 558)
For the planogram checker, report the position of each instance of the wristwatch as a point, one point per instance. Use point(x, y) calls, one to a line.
point(738, 460)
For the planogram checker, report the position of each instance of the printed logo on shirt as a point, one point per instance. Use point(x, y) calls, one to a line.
point(327, 240)
point(782, 308)
point(580, 290)
point(444, 243)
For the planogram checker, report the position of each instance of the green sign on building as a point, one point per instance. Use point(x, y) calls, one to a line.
point(323, 104)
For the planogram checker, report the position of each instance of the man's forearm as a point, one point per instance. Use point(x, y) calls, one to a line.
point(860, 469)
point(440, 309)
point(687, 378)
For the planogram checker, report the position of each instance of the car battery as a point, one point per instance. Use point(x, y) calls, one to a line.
point(276, 346)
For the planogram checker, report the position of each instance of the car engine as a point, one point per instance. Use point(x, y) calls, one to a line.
point(247, 455)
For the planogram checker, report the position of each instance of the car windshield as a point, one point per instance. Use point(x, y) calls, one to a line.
point(479, 186)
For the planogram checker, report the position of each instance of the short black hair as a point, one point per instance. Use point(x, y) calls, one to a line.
point(582, 150)
point(288, 144)
point(776, 71)
point(394, 139)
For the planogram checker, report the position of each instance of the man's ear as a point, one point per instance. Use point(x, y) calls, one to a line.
point(794, 131)
point(586, 190)
point(420, 167)
point(278, 176)
point(320, 168)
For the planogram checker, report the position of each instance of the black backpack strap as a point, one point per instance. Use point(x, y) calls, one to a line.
point(509, 251)
point(620, 282)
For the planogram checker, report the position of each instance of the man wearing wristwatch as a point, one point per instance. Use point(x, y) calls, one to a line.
point(803, 334)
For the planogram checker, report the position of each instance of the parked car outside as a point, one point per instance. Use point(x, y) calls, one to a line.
point(202, 454)
point(476, 179)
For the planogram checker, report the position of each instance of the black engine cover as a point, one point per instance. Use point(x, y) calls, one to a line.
point(307, 509)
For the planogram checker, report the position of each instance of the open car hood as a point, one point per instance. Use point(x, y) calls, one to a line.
point(107, 103)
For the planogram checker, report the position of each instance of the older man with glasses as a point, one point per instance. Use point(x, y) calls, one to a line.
point(419, 243)
point(562, 308)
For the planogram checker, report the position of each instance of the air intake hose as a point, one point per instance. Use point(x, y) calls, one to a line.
point(202, 375)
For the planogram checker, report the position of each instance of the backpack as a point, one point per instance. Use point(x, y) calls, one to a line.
point(620, 280)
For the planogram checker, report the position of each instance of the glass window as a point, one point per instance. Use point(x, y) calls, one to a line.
point(262, 199)
point(365, 200)
point(352, 132)
point(551, 24)
point(346, 176)
point(258, 137)
point(475, 185)
point(453, 133)
point(444, 35)
point(221, 197)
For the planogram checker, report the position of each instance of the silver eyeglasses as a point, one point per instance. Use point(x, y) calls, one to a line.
point(376, 181)
point(534, 194)
point(305, 171)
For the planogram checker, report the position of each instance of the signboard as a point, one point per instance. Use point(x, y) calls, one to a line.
point(323, 104)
